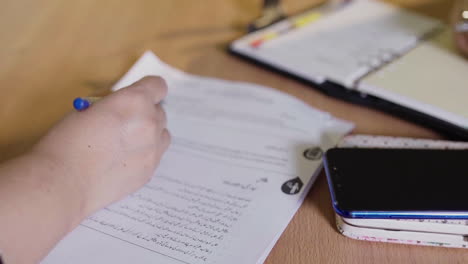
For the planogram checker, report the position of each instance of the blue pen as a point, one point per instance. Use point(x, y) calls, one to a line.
point(82, 103)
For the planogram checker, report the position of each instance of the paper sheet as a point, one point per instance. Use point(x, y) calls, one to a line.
point(242, 159)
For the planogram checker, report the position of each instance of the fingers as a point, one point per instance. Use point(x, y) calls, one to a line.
point(155, 88)
point(152, 87)
point(165, 137)
point(160, 116)
point(165, 140)
point(136, 100)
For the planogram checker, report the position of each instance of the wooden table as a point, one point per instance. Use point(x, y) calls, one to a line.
point(52, 51)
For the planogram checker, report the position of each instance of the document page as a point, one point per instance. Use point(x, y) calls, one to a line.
point(241, 161)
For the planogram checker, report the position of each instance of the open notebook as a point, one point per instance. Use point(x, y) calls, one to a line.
point(431, 78)
point(368, 47)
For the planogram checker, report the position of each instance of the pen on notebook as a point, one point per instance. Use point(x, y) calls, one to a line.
point(82, 103)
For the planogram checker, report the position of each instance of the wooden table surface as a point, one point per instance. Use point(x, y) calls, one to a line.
point(52, 51)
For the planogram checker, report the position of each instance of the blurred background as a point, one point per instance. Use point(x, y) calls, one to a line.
point(53, 51)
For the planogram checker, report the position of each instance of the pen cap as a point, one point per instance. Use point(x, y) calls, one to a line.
point(80, 104)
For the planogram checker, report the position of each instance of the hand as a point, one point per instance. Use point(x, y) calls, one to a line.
point(111, 149)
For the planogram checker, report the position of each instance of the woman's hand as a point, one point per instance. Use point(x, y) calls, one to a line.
point(111, 149)
point(87, 161)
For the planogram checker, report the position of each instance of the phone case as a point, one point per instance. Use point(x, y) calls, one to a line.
point(400, 236)
point(428, 232)
point(445, 226)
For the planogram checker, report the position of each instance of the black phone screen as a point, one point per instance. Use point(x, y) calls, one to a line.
point(398, 179)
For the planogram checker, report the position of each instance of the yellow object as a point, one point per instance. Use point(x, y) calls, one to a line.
point(270, 35)
point(306, 19)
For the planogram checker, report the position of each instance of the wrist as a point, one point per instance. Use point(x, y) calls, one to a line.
point(61, 185)
point(37, 200)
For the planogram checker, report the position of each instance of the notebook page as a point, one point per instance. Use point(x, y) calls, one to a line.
point(432, 78)
point(229, 184)
point(342, 46)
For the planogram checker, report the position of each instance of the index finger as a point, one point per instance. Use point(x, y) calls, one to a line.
point(153, 87)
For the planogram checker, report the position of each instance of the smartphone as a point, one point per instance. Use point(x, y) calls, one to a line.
point(398, 183)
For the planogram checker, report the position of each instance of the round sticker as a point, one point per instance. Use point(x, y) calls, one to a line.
point(314, 153)
point(292, 186)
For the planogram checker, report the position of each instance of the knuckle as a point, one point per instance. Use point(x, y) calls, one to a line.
point(119, 108)
point(152, 78)
point(134, 99)
point(150, 87)
point(154, 156)
point(126, 107)
point(167, 138)
point(168, 134)
point(153, 127)
point(161, 115)
point(163, 86)
point(156, 82)
point(155, 119)
point(138, 95)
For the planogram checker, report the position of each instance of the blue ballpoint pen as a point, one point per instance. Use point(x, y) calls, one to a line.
point(82, 103)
